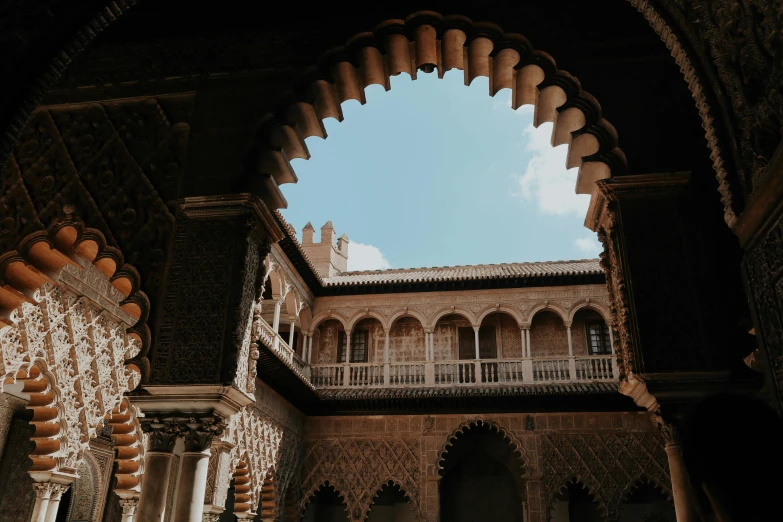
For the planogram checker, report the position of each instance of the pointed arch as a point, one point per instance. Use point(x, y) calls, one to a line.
point(391, 483)
point(310, 495)
point(576, 481)
point(518, 451)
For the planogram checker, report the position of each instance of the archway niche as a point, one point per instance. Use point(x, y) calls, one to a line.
point(481, 477)
point(646, 502)
point(327, 339)
point(574, 503)
point(391, 504)
point(326, 505)
point(450, 333)
point(504, 330)
point(406, 340)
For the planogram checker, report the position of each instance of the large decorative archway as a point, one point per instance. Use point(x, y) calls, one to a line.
point(481, 474)
point(427, 41)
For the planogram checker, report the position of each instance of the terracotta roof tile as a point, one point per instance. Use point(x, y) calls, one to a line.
point(470, 272)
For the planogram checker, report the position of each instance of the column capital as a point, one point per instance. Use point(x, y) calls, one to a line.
point(49, 490)
point(197, 429)
point(129, 505)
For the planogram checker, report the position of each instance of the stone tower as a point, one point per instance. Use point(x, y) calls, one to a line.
point(328, 258)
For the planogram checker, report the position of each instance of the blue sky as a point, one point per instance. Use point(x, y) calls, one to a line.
point(433, 173)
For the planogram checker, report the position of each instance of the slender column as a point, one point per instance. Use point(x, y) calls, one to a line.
point(54, 501)
point(681, 486)
point(571, 359)
point(529, 348)
point(478, 361)
point(429, 365)
point(611, 337)
point(291, 334)
point(276, 320)
point(310, 351)
point(129, 507)
point(347, 372)
point(386, 367)
point(524, 344)
point(162, 434)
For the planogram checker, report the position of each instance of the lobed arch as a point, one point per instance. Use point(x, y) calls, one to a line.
point(52, 334)
point(502, 309)
point(520, 455)
point(309, 495)
point(602, 309)
point(277, 279)
point(453, 310)
point(306, 318)
point(367, 314)
point(391, 482)
point(426, 41)
point(577, 481)
point(548, 306)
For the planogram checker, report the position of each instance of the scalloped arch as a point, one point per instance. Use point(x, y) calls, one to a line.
point(465, 426)
point(576, 480)
point(414, 505)
point(310, 494)
point(427, 41)
point(634, 483)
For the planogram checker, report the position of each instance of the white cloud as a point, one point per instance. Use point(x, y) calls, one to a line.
point(546, 179)
point(366, 257)
point(589, 245)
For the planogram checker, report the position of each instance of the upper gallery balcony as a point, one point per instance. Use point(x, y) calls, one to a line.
point(456, 349)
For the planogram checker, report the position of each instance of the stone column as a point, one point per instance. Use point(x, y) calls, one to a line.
point(310, 350)
point(524, 344)
point(276, 320)
point(54, 501)
point(291, 334)
point(571, 360)
point(478, 361)
point(429, 365)
point(682, 492)
point(529, 348)
point(527, 362)
point(347, 363)
point(386, 365)
point(162, 432)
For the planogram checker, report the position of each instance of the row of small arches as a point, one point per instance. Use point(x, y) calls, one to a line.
point(475, 319)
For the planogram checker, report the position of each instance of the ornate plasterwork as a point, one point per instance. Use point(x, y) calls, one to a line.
point(281, 260)
point(358, 468)
point(606, 464)
point(82, 348)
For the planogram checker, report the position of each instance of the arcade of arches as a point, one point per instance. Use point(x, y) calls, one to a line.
point(171, 351)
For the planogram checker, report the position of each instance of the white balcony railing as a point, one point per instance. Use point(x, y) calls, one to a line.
point(483, 372)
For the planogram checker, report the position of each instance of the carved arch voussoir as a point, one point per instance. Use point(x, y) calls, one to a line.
point(516, 447)
point(551, 306)
point(339, 488)
point(502, 309)
point(413, 502)
point(594, 305)
point(368, 314)
point(427, 41)
point(452, 310)
point(577, 480)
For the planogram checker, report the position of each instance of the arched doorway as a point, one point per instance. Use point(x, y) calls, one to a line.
point(646, 502)
point(481, 478)
point(391, 504)
point(326, 505)
point(575, 503)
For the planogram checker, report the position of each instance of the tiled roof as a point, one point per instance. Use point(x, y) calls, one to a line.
point(470, 272)
point(591, 388)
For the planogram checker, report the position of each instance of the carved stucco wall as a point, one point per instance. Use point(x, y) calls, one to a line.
point(548, 335)
point(608, 452)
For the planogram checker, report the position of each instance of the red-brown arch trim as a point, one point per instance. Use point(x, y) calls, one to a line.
point(427, 41)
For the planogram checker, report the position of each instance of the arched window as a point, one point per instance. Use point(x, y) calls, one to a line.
point(597, 333)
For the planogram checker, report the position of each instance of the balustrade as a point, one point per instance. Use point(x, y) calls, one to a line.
point(483, 372)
